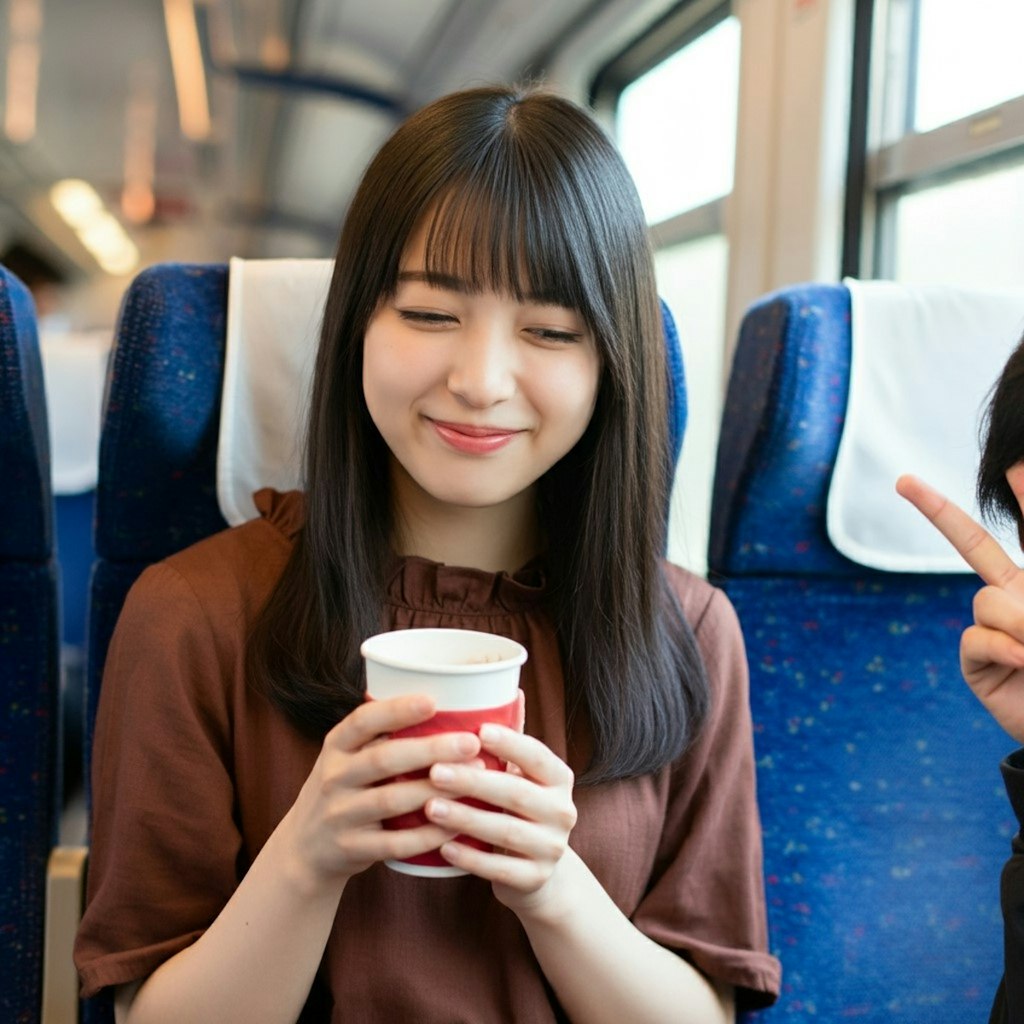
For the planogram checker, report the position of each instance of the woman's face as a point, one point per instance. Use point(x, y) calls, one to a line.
point(477, 395)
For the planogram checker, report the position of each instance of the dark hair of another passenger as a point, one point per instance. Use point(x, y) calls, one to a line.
point(527, 197)
point(1003, 443)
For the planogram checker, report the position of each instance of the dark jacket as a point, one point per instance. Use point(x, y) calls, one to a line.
point(1009, 1004)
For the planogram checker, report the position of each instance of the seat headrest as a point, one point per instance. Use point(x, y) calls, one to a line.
point(75, 367)
point(275, 309)
point(923, 360)
point(158, 445)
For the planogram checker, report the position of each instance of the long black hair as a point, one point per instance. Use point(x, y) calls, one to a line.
point(527, 196)
point(1003, 443)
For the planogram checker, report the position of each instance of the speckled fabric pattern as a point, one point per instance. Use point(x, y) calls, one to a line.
point(158, 452)
point(885, 821)
point(677, 407)
point(158, 449)
point(29, 670)
point(781, 424)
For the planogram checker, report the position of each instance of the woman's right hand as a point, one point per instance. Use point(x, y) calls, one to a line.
point(334, 830)
point(992, 650)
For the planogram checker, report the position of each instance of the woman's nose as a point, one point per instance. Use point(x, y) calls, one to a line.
point(482, 370)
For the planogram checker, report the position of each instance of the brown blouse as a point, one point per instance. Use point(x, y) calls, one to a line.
point(192, 771)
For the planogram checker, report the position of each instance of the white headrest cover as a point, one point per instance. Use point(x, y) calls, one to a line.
point(923, 361)
point(275, 308)
point(74, 371)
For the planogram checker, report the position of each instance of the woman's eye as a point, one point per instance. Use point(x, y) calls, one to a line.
point(426, 318)
point(550, 334)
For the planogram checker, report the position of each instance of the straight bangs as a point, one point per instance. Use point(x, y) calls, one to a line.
point(502, 231)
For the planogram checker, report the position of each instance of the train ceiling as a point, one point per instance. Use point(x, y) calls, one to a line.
point(211, 127)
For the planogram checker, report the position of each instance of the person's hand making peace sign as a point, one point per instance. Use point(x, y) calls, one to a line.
point(992, 650)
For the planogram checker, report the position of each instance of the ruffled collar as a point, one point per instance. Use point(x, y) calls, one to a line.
point(284, 510)
point(419, 583)
point(432, 586)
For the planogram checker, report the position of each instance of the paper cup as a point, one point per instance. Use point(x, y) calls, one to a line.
point(473, 678)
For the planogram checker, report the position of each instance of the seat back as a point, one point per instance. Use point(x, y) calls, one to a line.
point(156, 491)
point(29, 657)
point(885, 824)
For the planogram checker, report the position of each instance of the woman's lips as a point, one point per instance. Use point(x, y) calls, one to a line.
point(473, 440)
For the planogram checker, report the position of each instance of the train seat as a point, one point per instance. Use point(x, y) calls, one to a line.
point(885, 820)
point(29, 666)
point(158, 474)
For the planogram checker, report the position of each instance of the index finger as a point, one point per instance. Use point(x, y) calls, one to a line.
point(976, 545)
point(532, 756)
point(378, 718)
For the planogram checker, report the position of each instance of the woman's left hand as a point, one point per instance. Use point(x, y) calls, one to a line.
point(530, 838)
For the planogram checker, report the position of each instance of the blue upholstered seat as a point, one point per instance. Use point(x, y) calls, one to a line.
point(29, 668)
point(156, 490)
point(885, 822)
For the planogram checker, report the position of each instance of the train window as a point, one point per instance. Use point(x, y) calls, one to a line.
point(965, 64)
point(948, 173)
point(685, 163)
point(965, 232)
point(673, 98)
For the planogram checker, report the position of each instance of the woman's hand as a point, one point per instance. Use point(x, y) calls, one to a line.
point(530, 839)
point(334, 827)
point(992, 650)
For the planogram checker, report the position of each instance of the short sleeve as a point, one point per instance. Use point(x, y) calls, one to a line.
point(706, 897)
point(164, 850)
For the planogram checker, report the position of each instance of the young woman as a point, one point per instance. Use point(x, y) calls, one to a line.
point(992, 649)
point(487, 449)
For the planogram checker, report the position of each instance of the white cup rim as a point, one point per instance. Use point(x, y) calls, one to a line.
point(371, 650)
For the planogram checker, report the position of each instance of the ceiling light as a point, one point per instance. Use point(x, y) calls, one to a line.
point(25, 23)
point(121, 261)
point(76, 201)
point(97, 228)
point(138, 203)
point(187, 64)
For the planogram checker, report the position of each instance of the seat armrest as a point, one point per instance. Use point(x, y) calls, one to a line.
point(65, 892)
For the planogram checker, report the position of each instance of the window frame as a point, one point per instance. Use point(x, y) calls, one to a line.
point(902, 160)
point(676, 30)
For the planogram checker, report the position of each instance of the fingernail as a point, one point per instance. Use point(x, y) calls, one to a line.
point(489, 732)
point(438, 809)
point(441, 773)
point(466, 743)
